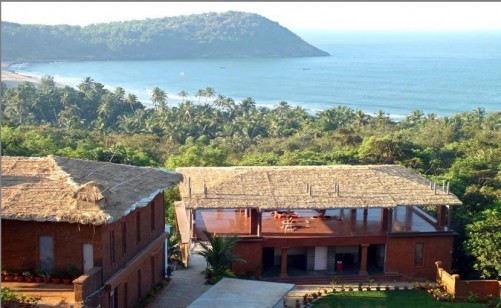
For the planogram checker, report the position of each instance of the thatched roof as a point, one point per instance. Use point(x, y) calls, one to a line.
point(77, 191)
point(311, 187)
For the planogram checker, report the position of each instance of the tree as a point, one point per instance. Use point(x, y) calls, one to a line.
point(484, 243)
point(218, 253)
point(159, 98)
point(183, 94)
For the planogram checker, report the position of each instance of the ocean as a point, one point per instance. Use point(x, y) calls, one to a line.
point(398, 72)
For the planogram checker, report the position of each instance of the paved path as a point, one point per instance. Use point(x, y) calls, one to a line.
point(186, 285)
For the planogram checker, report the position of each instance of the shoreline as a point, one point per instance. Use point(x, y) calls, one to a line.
point(13, 79)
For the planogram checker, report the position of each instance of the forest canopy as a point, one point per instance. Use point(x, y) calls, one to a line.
point(210, 35)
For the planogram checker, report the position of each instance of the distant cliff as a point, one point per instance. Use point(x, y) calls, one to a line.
point(210, 35)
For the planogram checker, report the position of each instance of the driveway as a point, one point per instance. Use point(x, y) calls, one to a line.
point(186, 285)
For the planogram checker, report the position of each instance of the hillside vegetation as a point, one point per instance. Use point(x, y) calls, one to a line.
point(94, 123)
point(210, 35)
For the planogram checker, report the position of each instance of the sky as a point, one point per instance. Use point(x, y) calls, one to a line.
point(296, 16)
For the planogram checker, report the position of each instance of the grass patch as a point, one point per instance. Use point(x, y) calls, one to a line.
point(398, 299)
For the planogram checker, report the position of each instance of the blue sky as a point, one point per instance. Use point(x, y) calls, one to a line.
point(297, 16)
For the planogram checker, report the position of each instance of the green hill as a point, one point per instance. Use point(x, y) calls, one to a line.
point(211, 35)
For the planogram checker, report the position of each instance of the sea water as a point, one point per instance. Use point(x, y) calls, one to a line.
point(398, 72)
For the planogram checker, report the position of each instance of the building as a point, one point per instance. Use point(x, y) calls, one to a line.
point(322, 220)
point(106, 220)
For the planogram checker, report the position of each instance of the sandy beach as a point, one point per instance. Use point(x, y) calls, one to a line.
point(12, 79)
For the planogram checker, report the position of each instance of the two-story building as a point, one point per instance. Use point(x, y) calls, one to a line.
point(107, 220)
point(321, 220)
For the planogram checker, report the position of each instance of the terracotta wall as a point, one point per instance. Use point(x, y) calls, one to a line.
point(461, 289)
point(20, 249)
point(20, 243)
point(400, 253)
point(86, 284)
point(147, 234)
point(130, 289)
point(252, 252)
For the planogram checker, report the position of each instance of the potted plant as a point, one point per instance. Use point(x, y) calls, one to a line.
point(70, 274)
point(378, 286)
point(28, 276)
point(38, 275)
point(359, 286)
point(46, 277)
point(9, 276)
point(387, 288)
point(56, 277)
point(18, 277)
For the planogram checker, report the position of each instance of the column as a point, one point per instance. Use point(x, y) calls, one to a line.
point(259, 222)
point(441, 211)
point(254, 222)
point(365, 215)
point(353, 214)
point(384, 219)
point(449, 217)
point(363, 260)
point(283, 263)
point(408, 217)
point(390, 220)
point(193, 223)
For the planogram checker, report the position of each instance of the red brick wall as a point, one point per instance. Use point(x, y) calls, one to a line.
point(251, 252)
point(461, 289)
point(20, 247)
point(20, 243)
point(131, 282)
point(132, 246)
point(400, 255)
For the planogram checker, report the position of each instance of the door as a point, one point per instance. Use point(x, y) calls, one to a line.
point(88, 257)
point(320, 258)
point(46, 253)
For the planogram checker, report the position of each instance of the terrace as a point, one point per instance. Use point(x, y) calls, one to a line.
point(340, 223)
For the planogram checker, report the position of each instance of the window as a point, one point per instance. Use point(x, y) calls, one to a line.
point(418, 254)
point(152, 215)
point(112, 246)
point(138, 227)
point(124, 237)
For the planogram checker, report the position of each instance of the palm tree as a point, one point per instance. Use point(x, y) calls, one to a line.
point(209, 93)
point(218, 254)
point(159, 98)
point(199, 94)
point(183, 94)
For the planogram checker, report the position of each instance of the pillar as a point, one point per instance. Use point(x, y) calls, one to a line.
point(283, 263)
point(449, 217)
point(259, 222)
point(441, 211)
point(193, 223)
point(408, 217)
point(390, 220)
point(353, 214)
point(254, 222)
point(384, 219)
point(363, 260)
point(365, 215)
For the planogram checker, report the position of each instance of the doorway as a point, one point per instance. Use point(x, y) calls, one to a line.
point(88, 257)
